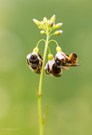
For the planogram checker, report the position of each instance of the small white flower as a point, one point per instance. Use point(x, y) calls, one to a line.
point(60, 55)
point(50, 64)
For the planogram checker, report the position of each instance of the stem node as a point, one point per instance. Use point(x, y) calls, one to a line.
point(39, 94)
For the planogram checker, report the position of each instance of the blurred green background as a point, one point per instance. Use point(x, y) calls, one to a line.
point(69, 98)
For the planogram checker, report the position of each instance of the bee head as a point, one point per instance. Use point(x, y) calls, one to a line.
point(34, 59)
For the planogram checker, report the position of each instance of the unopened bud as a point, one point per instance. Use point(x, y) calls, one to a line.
point(50, 56)
point(58, 49)
point(36, 22)
point(50, 23)
point(44, 19)
point(52, 19)
point(58, 25)
point(58, 32)
point(42, 23)
point(36, 50)
point(42, 32)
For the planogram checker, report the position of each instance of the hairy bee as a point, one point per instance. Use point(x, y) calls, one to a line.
point(34, 62)
point(60, 59)
point(65, 61)
point(53, 69)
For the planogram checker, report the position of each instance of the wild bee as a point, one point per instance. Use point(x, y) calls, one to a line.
point(59, 62)
point(53, 69)
point(65, 61)
point(34, 62)
point(60, 59)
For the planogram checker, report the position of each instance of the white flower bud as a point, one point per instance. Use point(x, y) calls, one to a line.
point(42, 32)
point(42, 23)
point(53, 18)
point(36, 22)
point(45, 20)
point(58, 32)
point(58, 25)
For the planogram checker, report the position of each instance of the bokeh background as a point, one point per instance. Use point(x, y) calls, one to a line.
point(69, 98)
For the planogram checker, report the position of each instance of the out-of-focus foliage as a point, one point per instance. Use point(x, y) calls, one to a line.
point(69, 98)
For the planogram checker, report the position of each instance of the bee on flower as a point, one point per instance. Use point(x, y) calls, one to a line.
point(52, 68)
point(34, 61)
point(64, 60)
point(56, 63)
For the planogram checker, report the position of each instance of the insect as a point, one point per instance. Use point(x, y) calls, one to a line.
point(61, 61)
point(34, 62)
point(65, 61)
point(53, 69)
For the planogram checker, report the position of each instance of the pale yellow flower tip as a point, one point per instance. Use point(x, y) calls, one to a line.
point(58, 49)
point(42, 32)
point(36, 50)
point(45, 20)
point(50, 57)
point(58, 32)
point(58, 25)
point(36, 22)
point(53, 18)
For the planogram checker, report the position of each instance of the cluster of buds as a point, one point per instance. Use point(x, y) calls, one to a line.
point(56, 63)
point(49, 25)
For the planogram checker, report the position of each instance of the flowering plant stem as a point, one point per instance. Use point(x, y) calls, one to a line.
point(40, 117)
point(55, 63)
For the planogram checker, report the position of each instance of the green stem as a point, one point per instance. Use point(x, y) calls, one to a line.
point(52, 40)
point(41, 124)
point(40, 41)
